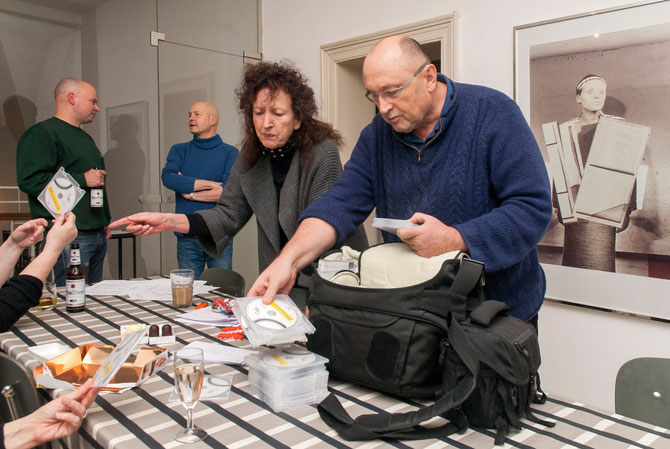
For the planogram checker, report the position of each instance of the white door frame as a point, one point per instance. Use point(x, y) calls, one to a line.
point(441, 29)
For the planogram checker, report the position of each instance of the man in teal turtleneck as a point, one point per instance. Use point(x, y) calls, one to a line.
point(197, 171)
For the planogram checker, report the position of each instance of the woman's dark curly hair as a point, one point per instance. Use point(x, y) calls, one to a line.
point(281, 77)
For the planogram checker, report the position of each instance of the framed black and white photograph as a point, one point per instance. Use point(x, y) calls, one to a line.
point(595, 89)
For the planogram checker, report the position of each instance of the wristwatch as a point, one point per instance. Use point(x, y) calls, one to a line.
point(190, 196)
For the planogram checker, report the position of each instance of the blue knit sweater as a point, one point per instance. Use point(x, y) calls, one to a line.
point(209, 159)
point(482, 173)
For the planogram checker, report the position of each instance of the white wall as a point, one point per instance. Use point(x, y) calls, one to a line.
point(295, 29)
point(124, 67)
point(121, 64)
point(582, 349)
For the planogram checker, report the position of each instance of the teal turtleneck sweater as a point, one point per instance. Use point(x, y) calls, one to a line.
point(209, 159)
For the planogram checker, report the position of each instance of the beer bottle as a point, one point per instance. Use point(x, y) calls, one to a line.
point(96, 197)
point(75, 297)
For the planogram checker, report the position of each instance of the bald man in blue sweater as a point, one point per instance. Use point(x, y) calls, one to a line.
point(458, 159)
point(197, 171)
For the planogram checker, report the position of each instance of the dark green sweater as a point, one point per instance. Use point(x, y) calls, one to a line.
point(42, 150)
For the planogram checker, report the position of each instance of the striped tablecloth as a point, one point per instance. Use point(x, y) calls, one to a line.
point(142, 417)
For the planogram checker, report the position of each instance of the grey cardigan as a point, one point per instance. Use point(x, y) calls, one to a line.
point(251, 190)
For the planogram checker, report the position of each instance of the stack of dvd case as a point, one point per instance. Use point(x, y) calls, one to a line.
point(288, 376)
point(276, 323)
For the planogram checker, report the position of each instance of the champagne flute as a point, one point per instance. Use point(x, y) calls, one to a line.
point(189, 369)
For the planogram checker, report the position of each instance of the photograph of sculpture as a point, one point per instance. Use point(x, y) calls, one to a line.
point(596, 91)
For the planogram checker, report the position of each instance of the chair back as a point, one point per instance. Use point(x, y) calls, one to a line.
point(642, 390)
point(19, 395)
point(227, 281)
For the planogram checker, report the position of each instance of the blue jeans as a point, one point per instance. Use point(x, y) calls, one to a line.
point(92, 249)
point(191, 255)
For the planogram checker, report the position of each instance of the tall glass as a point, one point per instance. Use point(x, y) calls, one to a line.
point(189, 369)
point(182, 287)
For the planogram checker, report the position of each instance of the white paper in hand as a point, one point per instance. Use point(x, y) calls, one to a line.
point(391, 225)
point(218, 353)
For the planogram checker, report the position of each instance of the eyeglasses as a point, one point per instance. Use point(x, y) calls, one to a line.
point(393, 93)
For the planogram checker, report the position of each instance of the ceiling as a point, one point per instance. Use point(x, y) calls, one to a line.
point(73, 6)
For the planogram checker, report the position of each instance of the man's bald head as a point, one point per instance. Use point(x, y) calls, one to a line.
point(208, 108)
point(396, 51)
point(203, 119)
point(76, 101)
point(67, 85)
point(403, 83)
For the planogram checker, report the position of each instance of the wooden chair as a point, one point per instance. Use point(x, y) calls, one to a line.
point(227, 281)
point(642, 390)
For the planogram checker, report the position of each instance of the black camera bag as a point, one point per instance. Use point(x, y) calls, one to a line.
point(437, 340)
point(389, 339)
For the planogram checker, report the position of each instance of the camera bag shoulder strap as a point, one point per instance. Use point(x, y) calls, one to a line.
point(469, 273)
point(407, 425)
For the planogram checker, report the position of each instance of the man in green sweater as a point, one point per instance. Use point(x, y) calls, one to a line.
point(60, 142)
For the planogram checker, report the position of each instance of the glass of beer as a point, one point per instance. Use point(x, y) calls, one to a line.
point(48, 298)
point(182, 287)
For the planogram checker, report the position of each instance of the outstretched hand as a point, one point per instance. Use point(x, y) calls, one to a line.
point(279, 277)
point(144, 223)
point(56, 419)
point(432, 238)
point(29, 233)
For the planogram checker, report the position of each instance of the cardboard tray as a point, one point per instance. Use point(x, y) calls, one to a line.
point(79, 364)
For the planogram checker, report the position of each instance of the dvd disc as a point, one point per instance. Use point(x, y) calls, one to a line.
point(277, 315)
point(296, 350)
point(59, 200)
point(287, 360)
point(63, 183)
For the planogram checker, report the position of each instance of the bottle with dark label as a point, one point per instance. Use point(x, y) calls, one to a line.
point(97, 197)
point(75, 284)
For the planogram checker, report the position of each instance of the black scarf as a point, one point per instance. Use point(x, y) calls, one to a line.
point(278, 153)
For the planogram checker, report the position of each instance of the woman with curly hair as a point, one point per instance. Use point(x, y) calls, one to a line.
point(289, 158)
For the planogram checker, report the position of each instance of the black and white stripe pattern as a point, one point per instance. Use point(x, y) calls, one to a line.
point(142, 417)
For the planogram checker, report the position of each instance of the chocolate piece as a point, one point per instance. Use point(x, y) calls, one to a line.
point(153, 330)
point(167, 330)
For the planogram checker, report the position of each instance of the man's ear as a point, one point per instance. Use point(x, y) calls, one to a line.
point(430, 74)
point(71, 98)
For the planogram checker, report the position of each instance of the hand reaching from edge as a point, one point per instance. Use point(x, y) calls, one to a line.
point(29, 233)
point(57, 419)
point(144, 223)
